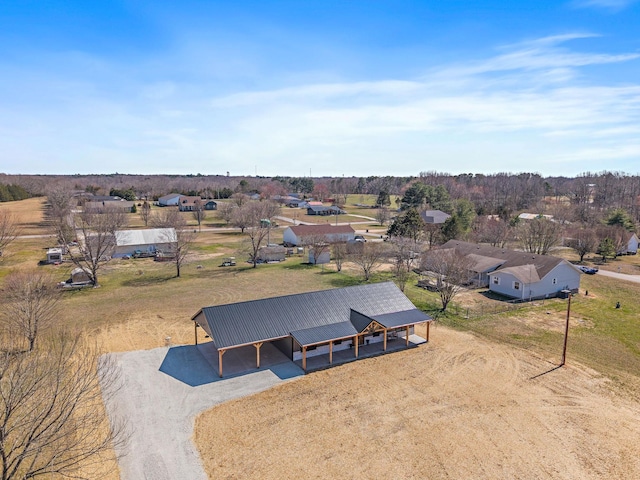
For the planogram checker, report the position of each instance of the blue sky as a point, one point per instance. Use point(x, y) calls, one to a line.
point(328, 87)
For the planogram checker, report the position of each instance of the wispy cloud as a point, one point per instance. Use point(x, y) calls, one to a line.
point(613, 5)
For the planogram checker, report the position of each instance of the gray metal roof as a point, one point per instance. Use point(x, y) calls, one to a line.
point(259, 320)
point(401, 319)
point(324, 333)
point(511, 258)
point(434, 216)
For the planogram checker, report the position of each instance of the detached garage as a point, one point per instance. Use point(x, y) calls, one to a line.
point(311, 324)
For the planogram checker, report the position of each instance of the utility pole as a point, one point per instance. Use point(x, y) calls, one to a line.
point(566, 332)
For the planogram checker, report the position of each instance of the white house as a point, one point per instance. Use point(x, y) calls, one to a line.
point(630, 246)
point(147, 241)
point(519, 275)
point(333, 233)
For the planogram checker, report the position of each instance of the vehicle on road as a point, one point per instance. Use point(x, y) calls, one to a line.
point(587, 270)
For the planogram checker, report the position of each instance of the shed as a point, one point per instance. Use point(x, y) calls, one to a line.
point(333, 233)
point(273, 253)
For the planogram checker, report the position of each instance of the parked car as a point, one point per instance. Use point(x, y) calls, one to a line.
point(359, 238)
point(228, 262)
point(587, 270)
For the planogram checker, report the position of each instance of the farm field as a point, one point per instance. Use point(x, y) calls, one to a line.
point(463, 406)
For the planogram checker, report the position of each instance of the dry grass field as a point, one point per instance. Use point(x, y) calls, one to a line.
point(463, 406)
point(459, 407)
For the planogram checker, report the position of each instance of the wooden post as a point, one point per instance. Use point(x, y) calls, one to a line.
point(331, 352)
point(407, 339)
point(195, 330)
point(428, 323)
point(356, 344)
point(220, 354)
point(257, 345)
point(384, 341)
point(566, 332)
point(304, 358)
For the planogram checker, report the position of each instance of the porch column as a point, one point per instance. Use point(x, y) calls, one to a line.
point(331, 352)
point(304, 358)
point(384, 341)
point(195, 331)
point(428, 323)
point(257, 345)
point(407, 336)
point(355, 344)
point(220, 354)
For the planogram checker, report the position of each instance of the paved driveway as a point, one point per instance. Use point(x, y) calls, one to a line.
point(620, 276)
point(165, 388)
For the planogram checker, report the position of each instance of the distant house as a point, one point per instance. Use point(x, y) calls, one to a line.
point(630, 246)
point(313, 324)
point(323, 210)
point(518, 275)
point(333, 233)
point(434, 216)
point(210, 205)
point(188, 204)
point(148, 241)
point(170, 200)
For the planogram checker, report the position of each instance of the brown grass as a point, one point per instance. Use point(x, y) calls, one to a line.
point(459, 407)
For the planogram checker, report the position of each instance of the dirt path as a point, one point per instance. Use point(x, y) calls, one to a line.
point(460, 407)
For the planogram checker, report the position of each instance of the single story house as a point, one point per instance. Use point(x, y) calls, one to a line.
point(434, 216)
point(170, 200)
point(311, 324)
point(630, 246)
point(210, 204)
point(324, 210)
point(295, 235)
point(148, 241)
point(532, 216)
point(515, 274)
point(188, 204)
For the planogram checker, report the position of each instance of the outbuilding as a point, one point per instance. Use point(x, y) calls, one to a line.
point(296, 235)
point(313, 324)
point(148, 241)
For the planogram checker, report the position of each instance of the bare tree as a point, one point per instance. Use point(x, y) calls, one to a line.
point(339, 254)
point(8, 229)
point(239, 199)
point(318, 244)
point(370, 257)
point(539, 235)
point(256, 220)
point(50, 399)
point(199, 213)
point(31, 304)
point(59, 203)
point(451, 270)
point(383, 215)
point(582, 241)
point(145, 213)
point(179, 235)
point(96, 234)
point(405, 253)
point(493, 231)
point(226, 211)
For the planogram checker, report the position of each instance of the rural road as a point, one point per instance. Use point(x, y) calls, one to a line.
point(164, 389)
point(620, 276)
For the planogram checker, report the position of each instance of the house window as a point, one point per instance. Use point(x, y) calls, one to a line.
point(516, 285)
point(496, 280)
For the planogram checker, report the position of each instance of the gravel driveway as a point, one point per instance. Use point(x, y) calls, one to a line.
point(165, 388)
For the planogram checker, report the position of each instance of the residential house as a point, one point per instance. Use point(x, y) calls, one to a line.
point(434, 216)
point(316, 323)
point(515, 274)
point(324, 210)
point(295, 235)
point(188, 204)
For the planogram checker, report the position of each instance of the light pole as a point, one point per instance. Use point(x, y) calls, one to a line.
point(566, 332)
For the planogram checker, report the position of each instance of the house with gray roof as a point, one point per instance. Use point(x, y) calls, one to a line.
point(434, 216)
point(316, 323)
point(516, 274)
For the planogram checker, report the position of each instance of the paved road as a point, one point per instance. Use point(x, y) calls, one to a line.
point(165, 388)
point(620, 276)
